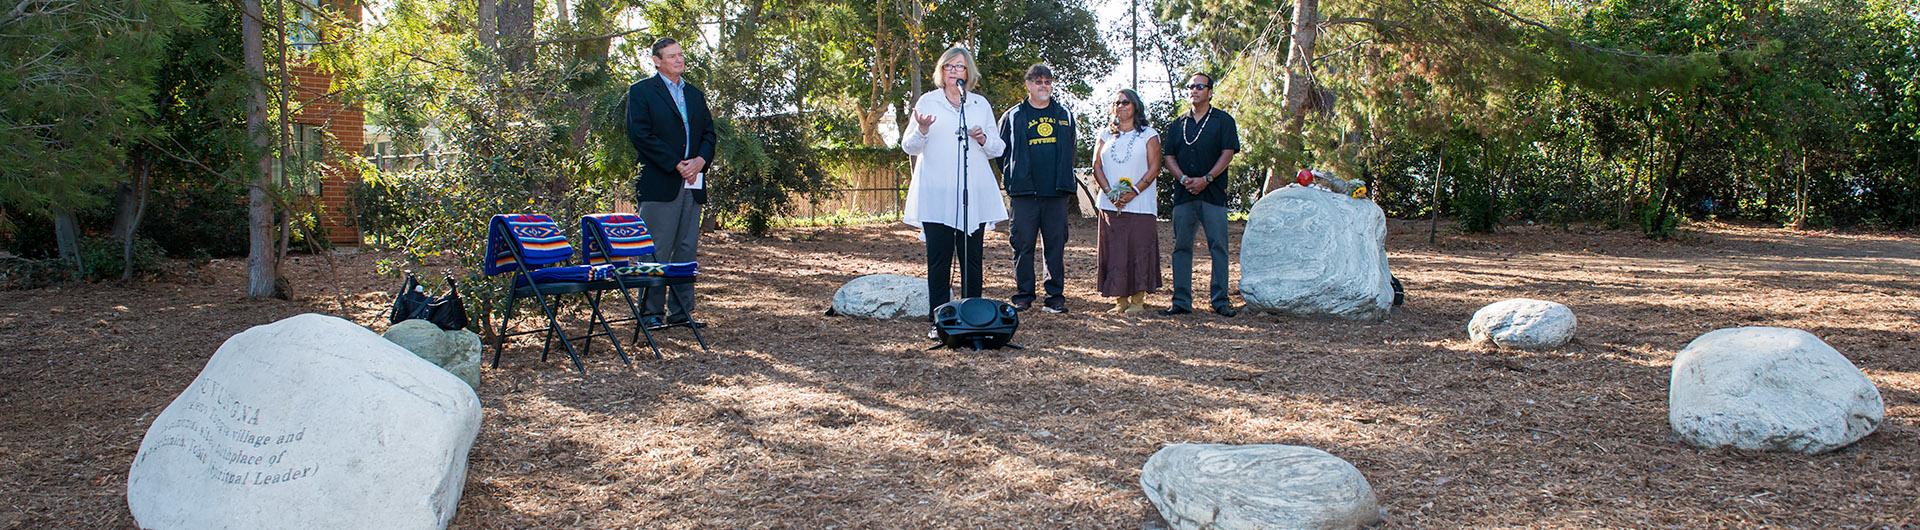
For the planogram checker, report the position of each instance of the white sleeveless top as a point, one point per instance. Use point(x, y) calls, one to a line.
point(1125, 157)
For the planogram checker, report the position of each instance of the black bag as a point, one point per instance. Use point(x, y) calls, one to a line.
point(447, 312)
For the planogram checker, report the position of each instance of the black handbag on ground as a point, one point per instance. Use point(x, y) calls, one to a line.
point(447, 312)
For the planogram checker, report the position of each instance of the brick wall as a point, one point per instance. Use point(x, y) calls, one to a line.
point(346, 125)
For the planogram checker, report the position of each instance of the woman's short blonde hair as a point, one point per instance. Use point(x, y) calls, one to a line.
point(940, 67)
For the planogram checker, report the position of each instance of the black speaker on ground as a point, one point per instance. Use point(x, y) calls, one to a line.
point(979, 323)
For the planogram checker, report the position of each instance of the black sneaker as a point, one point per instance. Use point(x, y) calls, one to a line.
point(1227, 312)
point(1023, 306)
point(1056, 307)
point(1174, 311)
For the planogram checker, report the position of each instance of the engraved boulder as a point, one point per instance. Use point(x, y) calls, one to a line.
point(1225, 487)
point(882, 296)
point(1311, 252)
point(1772, 389)
point(309, 422)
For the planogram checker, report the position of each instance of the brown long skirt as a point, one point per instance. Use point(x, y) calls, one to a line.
point(1129, 254)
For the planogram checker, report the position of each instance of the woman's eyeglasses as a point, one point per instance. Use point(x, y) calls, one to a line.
point(1123, 103)
point(954, 67)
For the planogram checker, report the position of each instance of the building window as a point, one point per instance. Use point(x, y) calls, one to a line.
point(303, 26)
point(306, 159)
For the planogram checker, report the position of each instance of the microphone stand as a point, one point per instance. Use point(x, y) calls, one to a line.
point(966, 198)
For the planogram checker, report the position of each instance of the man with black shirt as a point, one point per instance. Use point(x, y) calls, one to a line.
point(1038, 170)
point(1198, 148)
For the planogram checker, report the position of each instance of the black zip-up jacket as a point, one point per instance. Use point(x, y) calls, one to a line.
point(1024, 129)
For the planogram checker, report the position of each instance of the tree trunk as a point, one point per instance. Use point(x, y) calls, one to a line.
point(1299, 74)
point(516, 34)
point(1433, 220)
point(66, 236)
point(1800, 195)
point(132, 206)
point(262, 262)
point(881, 76)
point(489, 30)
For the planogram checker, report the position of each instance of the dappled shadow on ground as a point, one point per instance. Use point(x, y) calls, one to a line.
point(797, 419)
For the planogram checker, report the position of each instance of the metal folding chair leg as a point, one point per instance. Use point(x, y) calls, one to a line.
point(553, 323)
point(639, 321)
point(692, 324)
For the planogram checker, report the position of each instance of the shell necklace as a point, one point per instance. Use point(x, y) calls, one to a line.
point(1126, 149)
point(1196, 130)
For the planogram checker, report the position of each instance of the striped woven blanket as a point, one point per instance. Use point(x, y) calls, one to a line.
point(538, 241)
point(684, 269)
point(626, 236)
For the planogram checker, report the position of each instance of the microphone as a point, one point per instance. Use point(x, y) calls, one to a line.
point(962, 82)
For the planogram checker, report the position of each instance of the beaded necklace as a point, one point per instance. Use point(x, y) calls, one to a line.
point(1197, 130)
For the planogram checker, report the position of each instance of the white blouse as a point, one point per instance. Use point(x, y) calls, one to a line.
point(1124, 156)
point(934, 194)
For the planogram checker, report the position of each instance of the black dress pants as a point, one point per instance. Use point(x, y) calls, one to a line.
point(943, 246)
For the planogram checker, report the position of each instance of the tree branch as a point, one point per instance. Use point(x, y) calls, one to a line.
point(558, 40)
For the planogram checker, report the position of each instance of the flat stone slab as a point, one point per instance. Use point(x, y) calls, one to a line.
point(1227, 487)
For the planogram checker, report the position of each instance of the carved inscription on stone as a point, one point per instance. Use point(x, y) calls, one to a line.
point(227, 435)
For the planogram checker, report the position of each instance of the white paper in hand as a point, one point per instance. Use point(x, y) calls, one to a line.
point(699, 182)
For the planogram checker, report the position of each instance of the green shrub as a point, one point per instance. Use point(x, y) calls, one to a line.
point(101, 258)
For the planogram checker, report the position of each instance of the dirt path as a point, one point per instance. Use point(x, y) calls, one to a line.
point(801, 420)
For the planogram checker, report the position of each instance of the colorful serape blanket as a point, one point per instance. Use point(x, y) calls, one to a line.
point(538, 240)
point(570, 273)
point(684, 269)
point(626, 236)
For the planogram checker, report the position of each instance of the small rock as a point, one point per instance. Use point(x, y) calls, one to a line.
point(457, 351)
point(1523, 323)
point(883, 296)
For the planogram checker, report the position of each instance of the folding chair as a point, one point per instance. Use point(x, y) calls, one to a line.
point(532, 248)
point(622, 241)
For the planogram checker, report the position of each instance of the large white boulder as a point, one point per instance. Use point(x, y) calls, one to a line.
point(457, 351)
point(1224, 487)
point(1775, 389)
point(1311, 252)
point(882, 296)
point(309, 422)
point(1523, 323)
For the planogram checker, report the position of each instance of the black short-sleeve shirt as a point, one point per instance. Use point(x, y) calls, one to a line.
point(1196, 146)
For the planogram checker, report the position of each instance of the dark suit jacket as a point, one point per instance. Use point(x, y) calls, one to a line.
point(654, 129)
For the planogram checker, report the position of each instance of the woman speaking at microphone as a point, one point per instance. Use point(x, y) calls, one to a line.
point(953, 198)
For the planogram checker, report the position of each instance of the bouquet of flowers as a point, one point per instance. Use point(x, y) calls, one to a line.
point(1119, 190)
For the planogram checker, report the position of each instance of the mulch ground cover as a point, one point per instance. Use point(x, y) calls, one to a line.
point(798, 419)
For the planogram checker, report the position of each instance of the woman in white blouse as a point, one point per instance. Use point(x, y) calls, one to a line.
point(1126, 158)
point(950, 211)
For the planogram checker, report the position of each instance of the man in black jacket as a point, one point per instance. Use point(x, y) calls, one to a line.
point(672, 132)
point(1038, 170)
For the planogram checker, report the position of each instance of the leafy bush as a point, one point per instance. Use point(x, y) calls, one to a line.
point(101, 258)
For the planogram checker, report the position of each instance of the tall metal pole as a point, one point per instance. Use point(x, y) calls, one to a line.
point(1133, 41)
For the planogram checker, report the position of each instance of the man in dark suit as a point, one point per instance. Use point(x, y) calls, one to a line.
point(672, 132)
